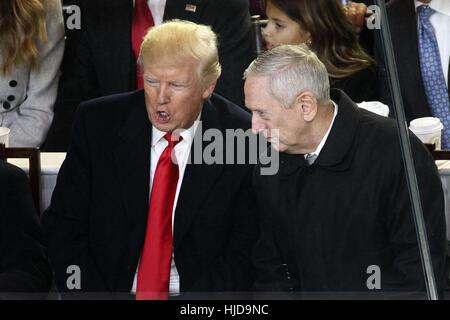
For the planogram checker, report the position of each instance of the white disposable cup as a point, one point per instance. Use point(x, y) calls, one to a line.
point(4, 136)
point(428, 130)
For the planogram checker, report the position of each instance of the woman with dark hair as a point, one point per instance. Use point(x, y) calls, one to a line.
point(31, 49)
point(325, 28)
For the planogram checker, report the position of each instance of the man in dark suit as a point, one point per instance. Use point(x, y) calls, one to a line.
point(100, 218)
point(337, 216)
point(403, 23)
point(100, 60)
point(24, 268)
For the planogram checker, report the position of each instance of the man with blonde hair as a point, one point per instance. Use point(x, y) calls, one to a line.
point(129, 209)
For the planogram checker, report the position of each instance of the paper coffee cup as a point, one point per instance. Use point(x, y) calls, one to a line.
point(4, 136)
point(428, 130)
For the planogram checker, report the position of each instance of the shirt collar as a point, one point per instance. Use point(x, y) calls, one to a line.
point(324, 139)
point(441, 6)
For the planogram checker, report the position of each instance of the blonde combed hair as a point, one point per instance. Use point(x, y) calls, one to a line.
point(174, 41)
point(22, 25)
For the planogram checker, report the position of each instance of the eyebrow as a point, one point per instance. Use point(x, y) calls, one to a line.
point(147, 77)
point(257, 110)
point(278, 20)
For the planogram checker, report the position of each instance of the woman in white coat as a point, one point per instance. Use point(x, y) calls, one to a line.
point(31, 49)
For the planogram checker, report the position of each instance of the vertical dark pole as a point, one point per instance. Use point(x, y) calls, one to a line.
point(408, 161)
point(257, 32)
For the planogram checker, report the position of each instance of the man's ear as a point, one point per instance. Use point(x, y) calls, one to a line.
point(307, 102)
point(209, 90)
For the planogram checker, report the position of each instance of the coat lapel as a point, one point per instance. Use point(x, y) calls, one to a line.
point(185, 10)
point(338, 151)
point(132, 159)
point(404, 32)
point(198, 179)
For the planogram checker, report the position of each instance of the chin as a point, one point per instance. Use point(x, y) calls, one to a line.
point(281, 148)
point(166, 127)
point(276, 146)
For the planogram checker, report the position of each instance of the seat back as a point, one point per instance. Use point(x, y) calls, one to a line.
point(34, 158)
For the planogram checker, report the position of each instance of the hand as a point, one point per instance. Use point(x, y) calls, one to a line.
point(357, 13)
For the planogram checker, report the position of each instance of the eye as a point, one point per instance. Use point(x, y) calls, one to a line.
point(177, 86)
point(278, 25)
point(152, 83)
point(261, 114)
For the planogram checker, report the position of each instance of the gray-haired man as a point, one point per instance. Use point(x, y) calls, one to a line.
point(337, 216)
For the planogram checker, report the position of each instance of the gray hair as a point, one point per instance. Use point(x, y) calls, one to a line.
point(292, 70)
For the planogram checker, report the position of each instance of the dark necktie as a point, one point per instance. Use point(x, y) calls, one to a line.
point(432, 74)
point(154, 267)
point(142, 21)
point(310, 158)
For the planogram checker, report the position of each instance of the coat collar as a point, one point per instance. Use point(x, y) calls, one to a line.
point(339, 148)
point(132, 156)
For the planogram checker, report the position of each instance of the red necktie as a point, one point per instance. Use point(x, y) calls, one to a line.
point(154, 267)
point(142, 21)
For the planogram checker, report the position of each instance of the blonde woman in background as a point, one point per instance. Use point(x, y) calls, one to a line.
point(31, 49)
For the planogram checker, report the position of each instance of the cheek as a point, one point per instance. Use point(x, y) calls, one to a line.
point(148, 102)
point(295, 38)
point(277, 37)
point(302, 38)
point(291, 34)
point(150, 95)
point(185, 105)
point(301, 35)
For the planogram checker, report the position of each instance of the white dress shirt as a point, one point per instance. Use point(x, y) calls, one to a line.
point(182, 150)
point(316, 152)
point(157, 9)
point(441, 24)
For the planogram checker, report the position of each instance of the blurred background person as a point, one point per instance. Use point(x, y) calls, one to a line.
point(31, 49)
point(24, 267)
point(102, 56)
point(419, 31)
point(325, 28)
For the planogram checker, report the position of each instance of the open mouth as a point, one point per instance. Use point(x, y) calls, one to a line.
point(162, 117)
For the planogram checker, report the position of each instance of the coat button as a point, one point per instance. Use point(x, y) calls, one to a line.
point(11, 98)
point(6, 105)
point(13, 83)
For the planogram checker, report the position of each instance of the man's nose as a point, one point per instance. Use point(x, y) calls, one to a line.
point(163, 94)
point(257, 125)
